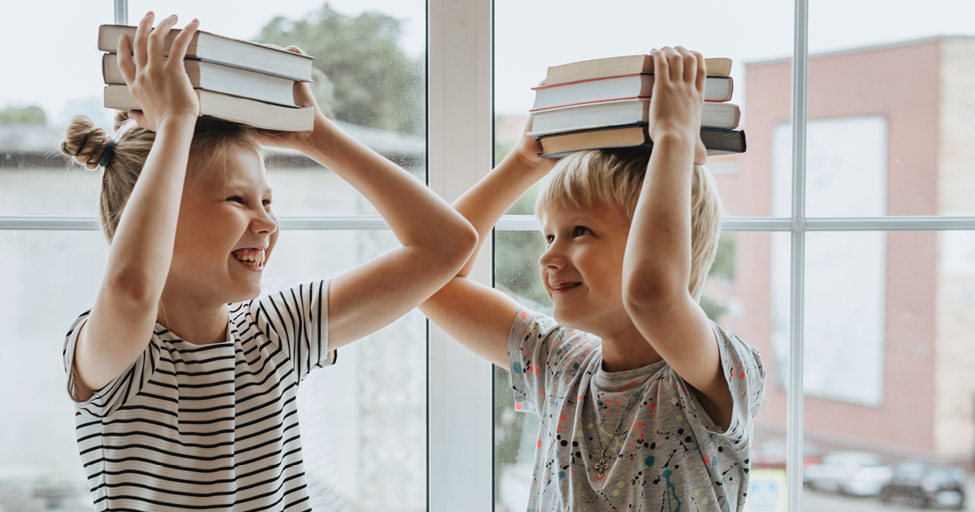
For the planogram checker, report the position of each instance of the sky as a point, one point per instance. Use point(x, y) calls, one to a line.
point(62, 74)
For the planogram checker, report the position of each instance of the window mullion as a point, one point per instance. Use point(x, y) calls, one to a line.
point(794, 423)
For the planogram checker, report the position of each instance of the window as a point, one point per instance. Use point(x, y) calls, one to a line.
point(363, 421)
point(848, 270)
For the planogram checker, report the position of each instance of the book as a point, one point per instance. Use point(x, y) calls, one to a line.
point(617, 66)
point(215, 77)
point(255, 113)
point(210, 47)
point(622, 112)
point(717, 141)
point(717, 89)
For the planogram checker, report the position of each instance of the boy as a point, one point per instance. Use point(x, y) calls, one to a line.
point(645, 405)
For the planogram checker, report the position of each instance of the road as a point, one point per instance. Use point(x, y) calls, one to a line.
point(813, 501)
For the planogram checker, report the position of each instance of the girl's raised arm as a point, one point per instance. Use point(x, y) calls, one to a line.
point(437, 241)
point(121, 321)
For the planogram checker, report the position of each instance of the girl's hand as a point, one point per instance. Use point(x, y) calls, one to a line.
point(678, 97)
point(159, 84)
point(303, 98)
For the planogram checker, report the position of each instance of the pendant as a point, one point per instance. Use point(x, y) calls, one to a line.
point(601, 468)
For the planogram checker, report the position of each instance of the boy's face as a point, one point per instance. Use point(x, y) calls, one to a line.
point(582, 266)
point(225, 233)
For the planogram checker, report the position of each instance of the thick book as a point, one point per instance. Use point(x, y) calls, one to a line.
point(215, 77)
point(622, 112)
point(207, 46)
point(259, 114)
point(716, 89)
point(634, 136)
point(617, 66)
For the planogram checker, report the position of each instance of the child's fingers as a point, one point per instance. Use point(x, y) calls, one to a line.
point(295, 49)
point(702, 73)
point(178, 51)
point(157, 39)
point(139, 44)
point(675, 62)
point(660, 67)
point(689, 63)
point(125, 64)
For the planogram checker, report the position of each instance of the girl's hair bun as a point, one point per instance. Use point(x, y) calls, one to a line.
point(84, 142)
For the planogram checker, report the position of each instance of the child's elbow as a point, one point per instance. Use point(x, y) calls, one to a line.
point(463, 240)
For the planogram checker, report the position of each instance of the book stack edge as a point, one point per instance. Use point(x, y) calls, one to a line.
point(604, 104)
point(236, 80)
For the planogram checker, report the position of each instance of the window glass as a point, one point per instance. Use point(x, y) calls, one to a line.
point(888, 317)
point(738, 296)
point(370, 78)
point(890, 108)
point(524, 49)
point(363, 420)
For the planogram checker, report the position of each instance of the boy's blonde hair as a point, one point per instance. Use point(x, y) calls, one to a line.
point(615, 178)
point(87, 144)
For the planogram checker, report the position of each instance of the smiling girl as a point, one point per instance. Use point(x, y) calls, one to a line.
point(184, 381)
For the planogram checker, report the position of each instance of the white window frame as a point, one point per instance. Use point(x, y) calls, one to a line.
point(460, 424)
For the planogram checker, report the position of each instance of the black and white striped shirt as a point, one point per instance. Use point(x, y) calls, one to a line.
point(207, 427)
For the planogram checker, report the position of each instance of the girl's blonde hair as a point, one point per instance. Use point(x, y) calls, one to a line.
point(88, 144)
point(614, 178)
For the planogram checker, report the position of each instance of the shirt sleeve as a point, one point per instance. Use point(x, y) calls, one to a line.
point(119, 391)
point(297, 319)
point(534, 346)
point(743, 370)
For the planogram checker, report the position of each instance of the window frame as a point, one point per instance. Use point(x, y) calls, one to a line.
point(460, 437)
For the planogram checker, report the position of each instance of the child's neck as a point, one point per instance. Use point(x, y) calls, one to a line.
point(194, 322)
point(627, 349)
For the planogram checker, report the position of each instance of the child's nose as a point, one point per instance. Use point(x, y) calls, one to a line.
point(551, 258)
point(264, 223)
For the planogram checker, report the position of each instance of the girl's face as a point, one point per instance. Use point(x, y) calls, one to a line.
point(225, 232)
point(582, 266)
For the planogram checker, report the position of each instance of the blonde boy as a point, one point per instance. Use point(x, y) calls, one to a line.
point(645, 404)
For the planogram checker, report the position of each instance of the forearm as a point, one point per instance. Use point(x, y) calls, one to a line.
point(658, 253)
point(416, 215)
point(142, 247)
point(484, 203)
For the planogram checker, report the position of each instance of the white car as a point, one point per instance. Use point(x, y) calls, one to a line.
point(855, 473)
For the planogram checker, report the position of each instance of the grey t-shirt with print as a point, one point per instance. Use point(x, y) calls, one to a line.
point(663, 452)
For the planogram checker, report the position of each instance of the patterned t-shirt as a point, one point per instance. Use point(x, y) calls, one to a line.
point(207, 427)
point(662, 452)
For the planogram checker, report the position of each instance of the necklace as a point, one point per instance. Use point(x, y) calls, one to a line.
point(602, 465)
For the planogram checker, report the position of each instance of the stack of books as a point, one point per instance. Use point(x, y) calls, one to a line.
point(605, 103)
point(236, 80)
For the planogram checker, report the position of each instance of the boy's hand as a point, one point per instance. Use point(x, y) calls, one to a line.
point(159, 84)
point(678, 97)
point(527, 151)
point(303, 98)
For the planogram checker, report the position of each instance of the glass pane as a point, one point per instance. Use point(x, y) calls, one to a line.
point(737, 296)
point(888, 358)
point(363, 421)
point(883, 141)
point(370, 77)
point(744, 32)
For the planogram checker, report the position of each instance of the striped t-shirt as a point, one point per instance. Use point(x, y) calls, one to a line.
point(207, 427)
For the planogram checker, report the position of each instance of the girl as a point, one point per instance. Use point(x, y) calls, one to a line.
point(186, 402)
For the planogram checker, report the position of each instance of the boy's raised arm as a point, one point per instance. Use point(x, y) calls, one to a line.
point(657, 264)
point(479, 316)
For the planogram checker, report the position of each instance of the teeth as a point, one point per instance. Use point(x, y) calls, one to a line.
point(250, 257)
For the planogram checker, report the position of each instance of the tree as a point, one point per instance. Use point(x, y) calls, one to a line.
point(32, 115)
point(370, 80)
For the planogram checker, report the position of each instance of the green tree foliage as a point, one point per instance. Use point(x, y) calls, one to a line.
point(371, 81)
point(32, 115)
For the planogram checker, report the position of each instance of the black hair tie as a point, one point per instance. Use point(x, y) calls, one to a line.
point(108, 154)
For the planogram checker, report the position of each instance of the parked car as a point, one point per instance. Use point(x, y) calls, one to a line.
point(849, 472)
point(924, 485)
